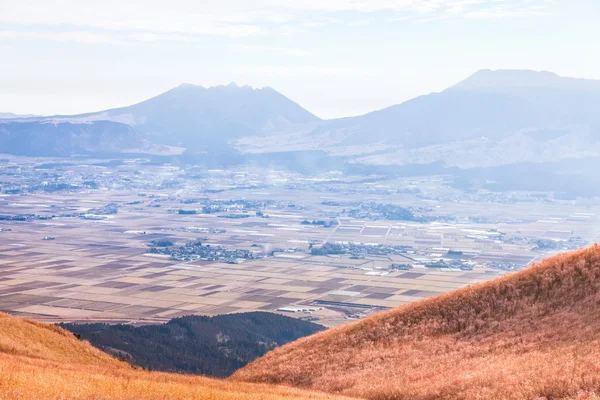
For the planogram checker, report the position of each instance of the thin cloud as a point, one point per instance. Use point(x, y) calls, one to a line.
point(268, 49)
point(302, 71)
point(88, 37)
point(135, 21)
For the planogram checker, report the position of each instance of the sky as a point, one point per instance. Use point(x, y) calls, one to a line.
point(336, 58)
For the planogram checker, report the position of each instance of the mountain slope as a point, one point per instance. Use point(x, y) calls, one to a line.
point(39, 361)
point(30, 339)
point(529, 335)
point(13, 116)
point(491, 118)
point(210, 346)
point(198, 117)
point(493, 104)
point(524, 81)
point(189, 116)
point(44, 138)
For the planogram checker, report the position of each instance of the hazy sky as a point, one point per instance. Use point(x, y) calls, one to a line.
point(334, 57)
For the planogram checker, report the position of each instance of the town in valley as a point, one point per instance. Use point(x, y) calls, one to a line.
point(139, 241)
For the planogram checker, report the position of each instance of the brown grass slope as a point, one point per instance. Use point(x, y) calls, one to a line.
point(530, 335)
point(39, 361)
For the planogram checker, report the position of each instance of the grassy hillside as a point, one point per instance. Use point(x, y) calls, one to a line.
point(36, 341)
point(40, 361)
point(210, 346)
point(529, 335)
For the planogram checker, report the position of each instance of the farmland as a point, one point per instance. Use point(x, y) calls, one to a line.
point(144, 242)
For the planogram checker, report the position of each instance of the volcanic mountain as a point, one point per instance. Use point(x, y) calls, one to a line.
point(534, 334)
point(204, 118)
point(497, 130)
point(188, 116)
point(491, 118)
point(493, 104)
point(33, 137)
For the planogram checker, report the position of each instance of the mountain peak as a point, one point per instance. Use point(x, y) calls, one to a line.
point(234, 87)
point(196, 117)
point(186, 85)
point(230, 87)
point(7, 115)
point(508, 79)
point(514, 73)
point(186, 88)
point(512, 77)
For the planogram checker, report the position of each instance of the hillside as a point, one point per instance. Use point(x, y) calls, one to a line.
point(491, 118)
point(529, 335)
point(187, 116)
point(211, 346)
point(200, 118)
point(5, 115)
point(34, 340)
point(497, 130)
point(491, 104)
point(40, 361)
point(43, 138)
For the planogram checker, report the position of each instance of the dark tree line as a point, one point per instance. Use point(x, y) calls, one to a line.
point(212, 346)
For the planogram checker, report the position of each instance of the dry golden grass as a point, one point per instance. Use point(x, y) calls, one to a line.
point(530, 335)
point(48, 342)
point(40, 361)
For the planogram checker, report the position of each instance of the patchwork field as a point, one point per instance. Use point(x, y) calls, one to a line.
point(67, 261)
point(73, 279)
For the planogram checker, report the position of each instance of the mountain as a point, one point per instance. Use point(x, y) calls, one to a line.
point(187, 116)
point(524, 82)
point(210, 346)
point(492, 118)
point(490, 104)
point(203, 118)
point(39, 361)
point(45, 138)
point(13, 116)
point(528, 335)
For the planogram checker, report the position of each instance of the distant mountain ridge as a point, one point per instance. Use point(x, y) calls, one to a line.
point(506, 80)
point(493, 104)
point(491, 119)
point(12, 116)
point(35, 138)
point(188, 116)
point(197, 117)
